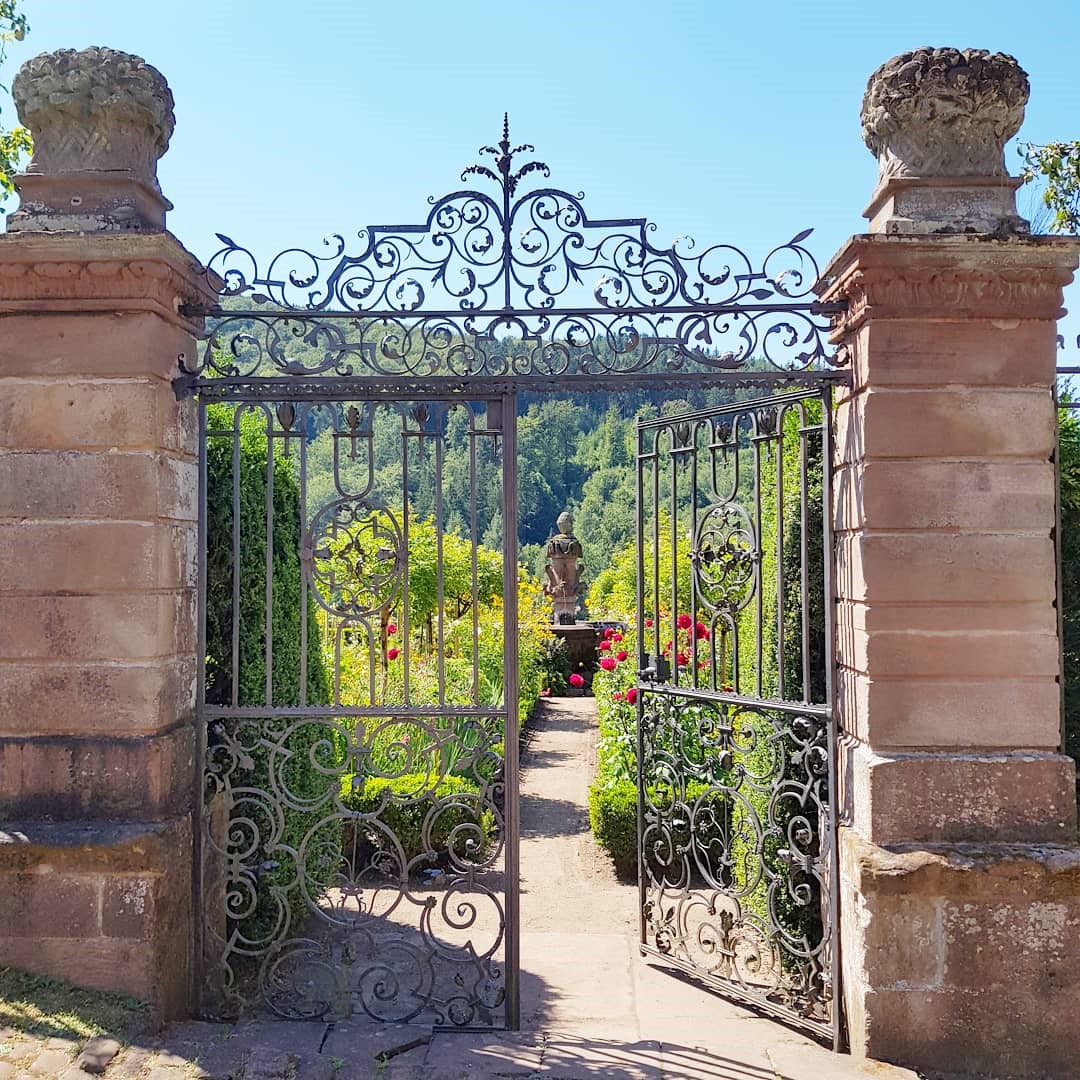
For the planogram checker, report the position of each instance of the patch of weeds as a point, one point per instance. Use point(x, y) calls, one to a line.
point(50, 1008)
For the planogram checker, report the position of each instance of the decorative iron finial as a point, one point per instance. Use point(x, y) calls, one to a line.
point(504, 155)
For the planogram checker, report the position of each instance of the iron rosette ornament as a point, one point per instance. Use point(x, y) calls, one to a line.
point(509, 284)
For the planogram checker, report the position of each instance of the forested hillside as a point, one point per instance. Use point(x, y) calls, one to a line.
point(573, 453)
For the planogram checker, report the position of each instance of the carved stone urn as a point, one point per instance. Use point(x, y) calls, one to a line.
point(938, 121)
point(100, 120)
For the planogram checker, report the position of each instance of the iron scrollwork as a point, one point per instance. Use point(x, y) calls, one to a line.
point(512, 284)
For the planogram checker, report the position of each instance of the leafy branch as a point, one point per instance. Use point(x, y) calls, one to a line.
point(1058, 164)
point(17, 141)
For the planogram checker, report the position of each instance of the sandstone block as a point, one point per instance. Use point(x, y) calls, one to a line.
point(63, 943)
point(950, 422)
point(950, 797)
point(101, 344)
point(1009, 916)
point(107, 699)
point(991, 495)
point(84, 557)
point(946, 567)
point(47, 902)
point(36, 772)
point(72, 484)
point(106, 626)
point(920, 713)
point(919, 352)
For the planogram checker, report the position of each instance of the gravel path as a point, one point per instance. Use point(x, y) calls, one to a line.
point(562, 869)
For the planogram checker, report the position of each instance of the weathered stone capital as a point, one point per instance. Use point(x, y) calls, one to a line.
point(55, 273)
point(938, 121)
point(94, 110)
point(948, 277)
point(943, 112)
point(100, 119)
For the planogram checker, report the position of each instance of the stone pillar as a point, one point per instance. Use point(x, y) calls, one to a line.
point(98, 506)
point(960, 881)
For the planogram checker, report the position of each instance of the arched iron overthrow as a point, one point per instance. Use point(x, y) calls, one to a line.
point(511, 284)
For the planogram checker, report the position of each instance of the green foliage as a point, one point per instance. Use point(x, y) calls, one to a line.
point(1069, 473)
point(613, 817)
point(403, 804)
point(15, 142)
point(305, 785)
point(1057, 164)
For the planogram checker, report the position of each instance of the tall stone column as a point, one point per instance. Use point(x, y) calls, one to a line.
point(960, 881)
point(98, 505)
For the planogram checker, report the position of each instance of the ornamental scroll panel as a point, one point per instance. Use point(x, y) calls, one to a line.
point(511, 283)
point(735, 738)
point(354, 825)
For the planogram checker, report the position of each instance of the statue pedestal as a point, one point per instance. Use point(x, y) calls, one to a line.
point(581, 639)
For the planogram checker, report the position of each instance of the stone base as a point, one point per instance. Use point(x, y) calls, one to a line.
point(87, 202)
point(962, 958)
point(581, 642)
point(964, 204)
point(104, 906)
point(949, 796)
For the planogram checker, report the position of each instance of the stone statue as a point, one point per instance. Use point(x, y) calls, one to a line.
point(563, 572)
point(937, 120)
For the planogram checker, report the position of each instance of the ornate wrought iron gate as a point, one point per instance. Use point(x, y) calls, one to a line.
point(358, 832)
point(736, 830)
point(357, 849)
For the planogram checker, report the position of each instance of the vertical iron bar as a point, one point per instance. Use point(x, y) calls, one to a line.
point(804, 569)
point(693, 537)
point(405, 628)
point(781, 413)
point(237, 412)
point(830, 699)
point(440, 575)
point(198, 937)
point(674, 510)
point(759, 540)
point(305, 564)
point(269, 585)
point(1058, 538)
point(639, 535)
point(474, 541)
point(654, 472)
point(511, 741)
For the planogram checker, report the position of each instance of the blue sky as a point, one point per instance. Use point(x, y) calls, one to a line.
point(728, 122)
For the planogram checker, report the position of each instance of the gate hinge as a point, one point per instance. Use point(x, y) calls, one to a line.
point(654, 668)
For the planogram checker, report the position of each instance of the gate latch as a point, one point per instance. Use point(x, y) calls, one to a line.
point(654, 668)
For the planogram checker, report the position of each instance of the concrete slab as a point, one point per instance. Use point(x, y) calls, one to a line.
point(574, 1058)
point(454, 1056)
point(576, 976)
point(359, 1041)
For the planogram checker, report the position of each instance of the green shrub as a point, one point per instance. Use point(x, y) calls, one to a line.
point(239, 748)
point(613, 817)
point(1069, 469)
point(402, 804)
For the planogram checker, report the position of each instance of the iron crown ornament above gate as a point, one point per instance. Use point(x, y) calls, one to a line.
point(511, 285)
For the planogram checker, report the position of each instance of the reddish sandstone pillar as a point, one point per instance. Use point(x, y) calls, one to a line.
point(959, 875)
point(98, 502)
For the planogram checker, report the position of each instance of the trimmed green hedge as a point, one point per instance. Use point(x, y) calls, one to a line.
point(1069, 466)
point(277, 879)
point(403, 803)
point(613, 817)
